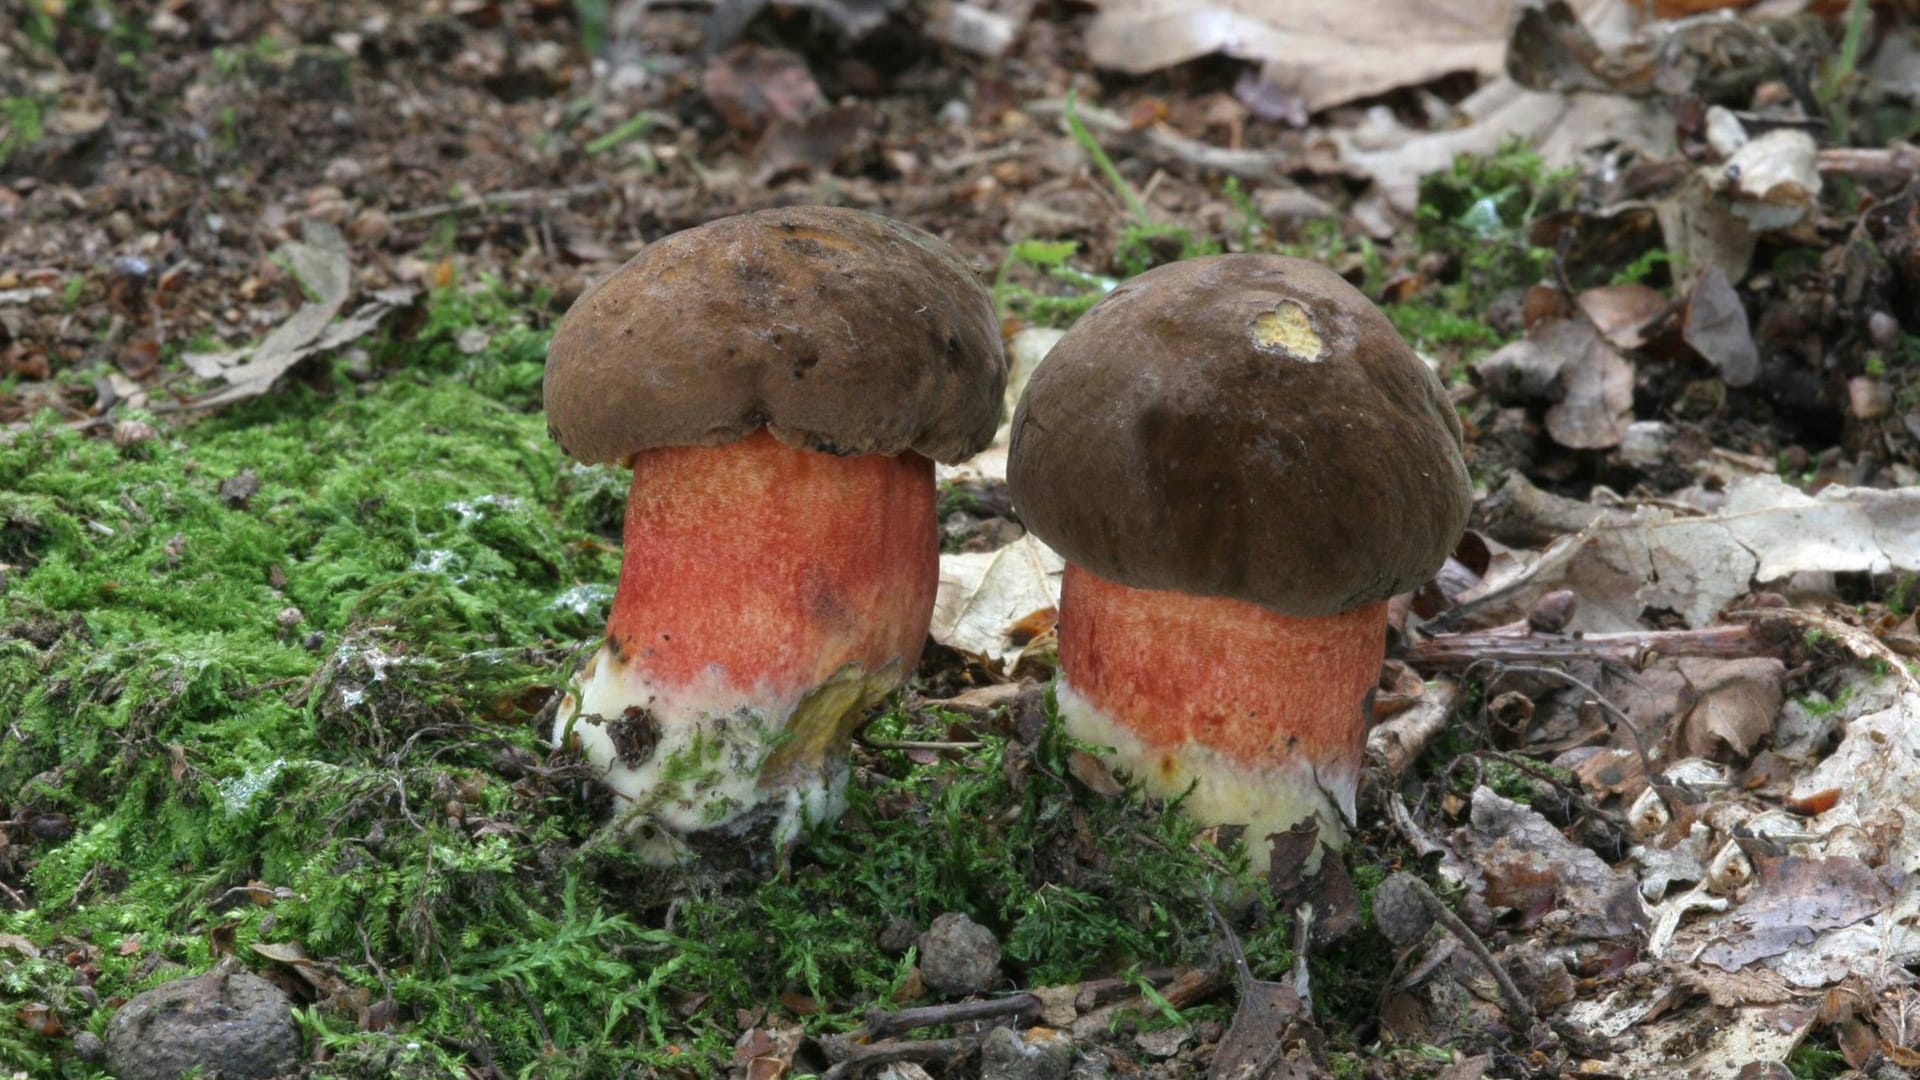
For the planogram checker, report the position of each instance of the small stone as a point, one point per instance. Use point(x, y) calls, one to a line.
point(1038, 1053)
point(343, 171)
point(1869, 398)
point(131, 433)
point(1163, 1043)
point(290, 617)
point(472, 340)
point(236, 490)
point(89, 1048)
point(1883, 330)
point(370, 227)
point(898, 936)
point(1399, 912)
point(231, 1024)
point(958, 956)
point(1645, 443)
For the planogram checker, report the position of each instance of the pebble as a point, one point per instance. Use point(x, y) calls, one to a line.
point(958, 956)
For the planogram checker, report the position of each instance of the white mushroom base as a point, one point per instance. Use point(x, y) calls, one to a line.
point(707, 761)
point(1265, 799)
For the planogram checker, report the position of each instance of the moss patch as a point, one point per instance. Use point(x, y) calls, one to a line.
point(273, 679)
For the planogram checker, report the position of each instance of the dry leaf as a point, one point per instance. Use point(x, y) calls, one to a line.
point(1772, 181)
point(1621, 312)
point(1737, 703)
point(1794, 898)
point(320, 263)
point(1716, 328)
point(983, 597)
point(1093, 773)
point(1766, 532)
point(1025, 350)
point(1324, 51)
point(1533, 869)
point(1567, 360)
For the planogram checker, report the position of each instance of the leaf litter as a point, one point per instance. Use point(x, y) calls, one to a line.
point(1677, 816)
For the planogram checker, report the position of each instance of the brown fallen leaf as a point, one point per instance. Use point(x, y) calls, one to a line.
point(1794, 898)
point(1622, 312)
point(1323, 51)
point(1593, 383)
point(1716, 327)
point(754, 88)
point(1531, 868)
point(1737, 704)
point(1093, 773)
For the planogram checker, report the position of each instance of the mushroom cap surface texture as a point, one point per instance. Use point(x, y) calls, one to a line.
point(1245, 426)
point(835, 329)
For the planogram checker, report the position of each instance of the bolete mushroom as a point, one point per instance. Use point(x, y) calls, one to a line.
point(778, 381)
point(1240, 461)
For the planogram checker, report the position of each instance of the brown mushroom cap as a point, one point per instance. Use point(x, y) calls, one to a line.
point(837, 330)
point(1246, 426)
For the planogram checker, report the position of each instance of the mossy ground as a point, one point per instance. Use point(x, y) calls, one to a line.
point(367, 781)
point(309, 717)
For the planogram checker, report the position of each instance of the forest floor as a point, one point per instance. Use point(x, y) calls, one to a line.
point(291, 575)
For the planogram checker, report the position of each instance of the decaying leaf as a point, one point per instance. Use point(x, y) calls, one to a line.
point(1773, 180)
point(984, 596)
point(1876, 772)
point(1550, 49)
point(1324, 51)
point(1735, 706)
point(1699, 229)
point(1716, 327)
point(1794, 898)
point(1695, 565)
point(1568, 362)
point(1621, 312)
point(1561, 127)
point(1532, 869)
point(320, 263)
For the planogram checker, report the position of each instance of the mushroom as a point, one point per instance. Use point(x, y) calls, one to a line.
point(1240, 461)
point(778, 382)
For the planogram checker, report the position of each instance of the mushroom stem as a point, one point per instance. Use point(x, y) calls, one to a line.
point(768, 595)
point(1263, 715)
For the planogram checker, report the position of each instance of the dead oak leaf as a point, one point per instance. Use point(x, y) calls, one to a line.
point(1795, 898)
point(1325, 52)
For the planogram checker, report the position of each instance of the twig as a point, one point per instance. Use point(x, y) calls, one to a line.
point(882, 1024)
point(854, 1057)
point(1442, 914)
point(1394, 744)
point(1163, 143)
point(1517, 643)
point(1857, 641)
point(917, 744)
point(1899, 162)
point(1302, 930)
point(501, 200)
point(1639, 739)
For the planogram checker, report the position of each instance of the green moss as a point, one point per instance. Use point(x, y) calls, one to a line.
point(330, 687)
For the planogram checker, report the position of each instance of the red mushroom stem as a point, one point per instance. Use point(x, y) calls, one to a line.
point(1263, 715)
point(767, 596)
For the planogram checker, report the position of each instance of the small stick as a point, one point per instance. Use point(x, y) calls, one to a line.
point(1884, 163)
point(882, 1024)
point(1516, 643)
point(1302, 935)
point(1442, 914)
point(1162, 142)
point(500, 200)
point(1394, 743)
point(854, 1057)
